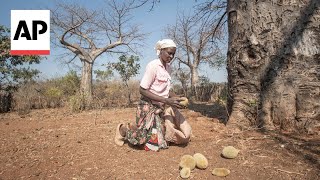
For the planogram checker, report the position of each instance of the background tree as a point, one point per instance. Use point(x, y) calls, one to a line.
point(103, 75)
point(127, 67)
point(273, 64)
point(198, 37)
point(183, 76)
point(14, 70)
point(89, 33)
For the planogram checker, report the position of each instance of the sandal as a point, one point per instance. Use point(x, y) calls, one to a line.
point(118, 139)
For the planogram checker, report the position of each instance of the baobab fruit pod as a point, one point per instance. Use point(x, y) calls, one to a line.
point(185, 173)
point(201, 161)
point(230, 152)
point(222, 172)
point(184, 101)
point(187, 161)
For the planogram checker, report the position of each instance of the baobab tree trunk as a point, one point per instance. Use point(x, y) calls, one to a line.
point(194, 80)
point(194, 76)
point(274, 64)
point(86, 81)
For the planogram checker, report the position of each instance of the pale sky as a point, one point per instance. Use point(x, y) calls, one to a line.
point(154, 22)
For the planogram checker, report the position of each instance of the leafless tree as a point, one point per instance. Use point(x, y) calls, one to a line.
point(140, 3)
point(87, 34)
point(198, 36)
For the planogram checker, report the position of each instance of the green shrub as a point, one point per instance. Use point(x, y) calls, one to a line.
point(54, 92)
point(76, 103)
point(53, 95)
point(114, 94)
point(64, 92)
point(69, 84)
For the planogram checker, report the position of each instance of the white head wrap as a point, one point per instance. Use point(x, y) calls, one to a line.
point(165, 43)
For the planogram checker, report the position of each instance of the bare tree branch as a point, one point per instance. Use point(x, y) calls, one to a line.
point(89, 33)
point(195, 35)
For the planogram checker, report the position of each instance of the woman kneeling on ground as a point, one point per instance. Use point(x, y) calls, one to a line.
point(158, 120)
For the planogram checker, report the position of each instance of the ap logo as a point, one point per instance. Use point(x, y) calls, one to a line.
point(30, 32)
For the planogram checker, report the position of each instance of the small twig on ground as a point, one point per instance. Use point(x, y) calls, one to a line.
point(254, 150)
point(257, 138)
point(95, 118)
point(260, 156)
point(289, 172)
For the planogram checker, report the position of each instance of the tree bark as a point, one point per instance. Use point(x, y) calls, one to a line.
point(194, 80)
point(86, 81)
point(273, 64)
point(194, 76)
point(128, 93)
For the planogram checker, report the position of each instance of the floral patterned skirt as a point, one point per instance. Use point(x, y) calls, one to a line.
point(149, 127)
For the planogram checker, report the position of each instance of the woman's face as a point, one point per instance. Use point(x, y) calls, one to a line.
point(167, 54)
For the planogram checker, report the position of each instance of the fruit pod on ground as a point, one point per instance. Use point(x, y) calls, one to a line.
point(230, 152)
point(221, 172)
point(185, 173)
point(201, 161)
point(187, 161)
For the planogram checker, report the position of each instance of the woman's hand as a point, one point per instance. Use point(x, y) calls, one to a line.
point(174, 102)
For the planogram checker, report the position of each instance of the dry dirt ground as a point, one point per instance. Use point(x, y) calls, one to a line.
point(58, 144)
